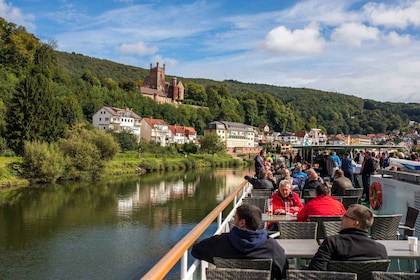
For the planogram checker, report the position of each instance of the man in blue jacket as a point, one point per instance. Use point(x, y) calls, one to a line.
point(246, 240)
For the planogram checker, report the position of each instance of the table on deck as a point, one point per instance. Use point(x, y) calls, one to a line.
point(306, 248)
point(299, 248)
point(278, 218)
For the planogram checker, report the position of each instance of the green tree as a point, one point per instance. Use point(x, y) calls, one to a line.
point(189, 148)
point(126, 140)
point(33, 113)
point(212, 144)
point(42, 162)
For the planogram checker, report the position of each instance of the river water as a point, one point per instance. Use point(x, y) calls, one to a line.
point(114, 229)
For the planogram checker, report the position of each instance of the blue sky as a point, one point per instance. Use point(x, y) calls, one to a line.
point(368, 49)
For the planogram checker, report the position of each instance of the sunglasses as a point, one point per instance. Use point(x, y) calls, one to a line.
point(351, 218)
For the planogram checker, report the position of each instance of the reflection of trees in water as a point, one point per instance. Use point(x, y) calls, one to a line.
point(155, 200)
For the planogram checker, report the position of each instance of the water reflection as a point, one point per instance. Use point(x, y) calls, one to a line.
point(113, 229)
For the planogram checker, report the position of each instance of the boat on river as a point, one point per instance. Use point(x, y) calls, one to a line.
point(399, 188)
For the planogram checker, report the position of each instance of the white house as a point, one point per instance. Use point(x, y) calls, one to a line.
point(155, 130)
point(233, 134)
point(182, 134)
point(116, 119)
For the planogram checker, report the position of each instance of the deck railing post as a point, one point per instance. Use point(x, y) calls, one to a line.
point(184, 265)
point(219, 220)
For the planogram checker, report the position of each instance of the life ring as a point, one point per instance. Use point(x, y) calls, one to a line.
point(375, 195)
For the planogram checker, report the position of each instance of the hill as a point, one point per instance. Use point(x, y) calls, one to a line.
point(333, 111)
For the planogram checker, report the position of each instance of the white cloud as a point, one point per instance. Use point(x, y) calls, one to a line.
point(13, 14)
point(139, 49)
point(398, 40)
point(169, 62)
point(401, 14)
point(305, 41)
point(355, 34)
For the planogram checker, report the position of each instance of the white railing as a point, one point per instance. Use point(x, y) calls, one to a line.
point(179, 253)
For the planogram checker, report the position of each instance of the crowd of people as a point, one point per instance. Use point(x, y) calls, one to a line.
point(330, 177)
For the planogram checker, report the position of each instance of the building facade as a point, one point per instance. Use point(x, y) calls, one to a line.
point(235, 135)
point(156, 87)
point(117, 120)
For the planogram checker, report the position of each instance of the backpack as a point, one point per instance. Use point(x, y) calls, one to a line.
point(299, 181)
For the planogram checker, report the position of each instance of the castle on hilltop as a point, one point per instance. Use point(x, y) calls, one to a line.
point(155, 86)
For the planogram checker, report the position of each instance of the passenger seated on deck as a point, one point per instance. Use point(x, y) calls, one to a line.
point(341, 183)
point(313, 180)
point(280, 198)
point(246, 240)
point(352, 242)
point(323, 204)
point(262, 182)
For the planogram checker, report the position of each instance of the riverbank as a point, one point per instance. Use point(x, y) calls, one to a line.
point(129, 163)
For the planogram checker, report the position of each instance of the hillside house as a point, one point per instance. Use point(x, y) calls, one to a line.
point(155, 130)
point(182, 134)
point(235, 135)
point(117, 120)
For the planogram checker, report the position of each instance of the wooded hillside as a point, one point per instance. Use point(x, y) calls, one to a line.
point(45, 93)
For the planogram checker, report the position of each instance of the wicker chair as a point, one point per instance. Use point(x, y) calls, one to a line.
point(295, 230)
point(258, 201)
point(363, 269)
point(385, 227)
point(261, 193)
point(331, 227)
point(348, 200)
point(257, 264)
point(319, 275)
point(321, 229)
point(380, 275)
point(354, 192)
point(409, 225)
point(309, 193)
point(236, 273)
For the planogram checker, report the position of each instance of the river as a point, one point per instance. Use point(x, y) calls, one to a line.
point(114, 229)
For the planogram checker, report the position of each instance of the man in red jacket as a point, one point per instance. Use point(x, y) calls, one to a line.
point(323, 204)
point(284, 196)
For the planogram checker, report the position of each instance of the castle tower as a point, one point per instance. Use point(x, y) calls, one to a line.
point(157, 77)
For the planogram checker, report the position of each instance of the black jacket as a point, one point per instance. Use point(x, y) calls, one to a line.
point(349, 245)
point(260, 183)
point(243, 244)
point(368, 166)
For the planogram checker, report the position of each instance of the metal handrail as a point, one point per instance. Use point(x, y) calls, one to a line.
point(164, 266)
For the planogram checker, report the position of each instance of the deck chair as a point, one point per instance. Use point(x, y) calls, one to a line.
point(257, 264)
point(363, 269)
point(354, 192)
point(320, 235)
point(385, 227)
point(409, 225)
point(331, 227)
point(296, 230)
point(236, 273)
point(258, 201)
point(319, 275)
point(381, 275)
point(261, 193)
point(349, 200)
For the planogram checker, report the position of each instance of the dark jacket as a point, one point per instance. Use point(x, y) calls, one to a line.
point(260, 183)
point(349, 245)
point(243, 244)
point(340, 185)
point(368, 166)
point(311, 184)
